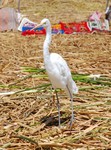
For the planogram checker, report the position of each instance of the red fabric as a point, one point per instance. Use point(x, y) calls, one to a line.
point(69, 28)
point(32, 32)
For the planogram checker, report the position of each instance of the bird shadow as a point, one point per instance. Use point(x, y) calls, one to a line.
point(52, 120)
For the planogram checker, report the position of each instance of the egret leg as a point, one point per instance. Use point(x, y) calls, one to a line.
point(52, 100)
point(58, 106)
point(71, 98)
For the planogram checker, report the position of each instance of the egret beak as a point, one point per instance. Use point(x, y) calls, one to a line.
point(37, 26)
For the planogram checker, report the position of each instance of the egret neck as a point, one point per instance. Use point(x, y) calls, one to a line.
point(47, 42)
point(46, 52)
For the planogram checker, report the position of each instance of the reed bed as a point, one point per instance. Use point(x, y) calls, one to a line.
point(28, 114)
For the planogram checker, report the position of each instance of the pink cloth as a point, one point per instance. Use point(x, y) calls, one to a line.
point(95, 16)
point(8, 19)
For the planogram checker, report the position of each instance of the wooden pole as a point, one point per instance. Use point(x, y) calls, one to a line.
point(19, 6)
point(107, 2)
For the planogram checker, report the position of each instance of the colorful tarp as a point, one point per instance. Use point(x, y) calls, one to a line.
point(60, 28)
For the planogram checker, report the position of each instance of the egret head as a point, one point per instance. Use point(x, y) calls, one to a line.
point(44, 23)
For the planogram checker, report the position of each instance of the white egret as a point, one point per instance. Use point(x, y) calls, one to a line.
point(57, 69)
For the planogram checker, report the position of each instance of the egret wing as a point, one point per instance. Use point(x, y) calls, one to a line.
point(60, 65)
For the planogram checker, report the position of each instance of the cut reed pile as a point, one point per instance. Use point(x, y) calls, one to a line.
point(28, 119)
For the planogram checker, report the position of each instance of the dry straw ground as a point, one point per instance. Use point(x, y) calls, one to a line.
point(28, 121)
